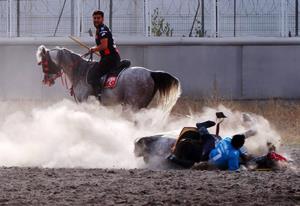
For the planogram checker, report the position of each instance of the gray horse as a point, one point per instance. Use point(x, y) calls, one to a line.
point(136, 86)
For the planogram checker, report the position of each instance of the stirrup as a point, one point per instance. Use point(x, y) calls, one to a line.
point(97, 90)
point(99, 96)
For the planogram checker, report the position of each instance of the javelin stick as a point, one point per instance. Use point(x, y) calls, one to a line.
point(82, 44)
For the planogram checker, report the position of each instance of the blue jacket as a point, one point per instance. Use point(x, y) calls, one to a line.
point(225, 156)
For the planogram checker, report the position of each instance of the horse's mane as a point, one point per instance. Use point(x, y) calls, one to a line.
point(42, 47)
point(68, 50)
point(39, 53)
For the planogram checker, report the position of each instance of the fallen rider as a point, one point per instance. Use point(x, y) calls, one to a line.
point(196, 148)
point(211, 151)
point(272, 160)
point(228, 152)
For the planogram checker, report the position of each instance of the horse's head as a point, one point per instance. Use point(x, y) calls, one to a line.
point(49, 60)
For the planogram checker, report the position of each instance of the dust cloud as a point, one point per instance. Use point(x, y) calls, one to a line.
point(88, 135)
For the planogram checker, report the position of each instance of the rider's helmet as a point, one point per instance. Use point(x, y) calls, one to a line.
point(238, 141)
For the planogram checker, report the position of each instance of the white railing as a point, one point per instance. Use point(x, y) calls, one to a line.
point(201, 18)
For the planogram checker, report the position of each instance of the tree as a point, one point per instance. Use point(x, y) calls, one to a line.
point(159, 26)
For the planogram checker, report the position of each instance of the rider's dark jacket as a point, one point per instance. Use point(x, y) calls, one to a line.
point(104, 32)
point(110, 58)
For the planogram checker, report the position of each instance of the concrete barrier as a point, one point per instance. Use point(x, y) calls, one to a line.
point(234, 68)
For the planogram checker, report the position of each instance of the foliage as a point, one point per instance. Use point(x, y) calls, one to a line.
point(159, 26)
point(198, 29)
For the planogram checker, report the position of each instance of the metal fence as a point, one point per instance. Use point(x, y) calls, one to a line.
point(200, 18)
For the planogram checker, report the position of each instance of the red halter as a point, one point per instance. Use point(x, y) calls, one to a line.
point(49, 78)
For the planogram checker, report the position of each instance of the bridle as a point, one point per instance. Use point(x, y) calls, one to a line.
point(50, 76)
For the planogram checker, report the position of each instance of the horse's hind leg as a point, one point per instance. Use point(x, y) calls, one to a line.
point(138, 88)
point(138, 102)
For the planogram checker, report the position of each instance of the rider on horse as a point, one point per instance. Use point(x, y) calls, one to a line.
point(110, 57)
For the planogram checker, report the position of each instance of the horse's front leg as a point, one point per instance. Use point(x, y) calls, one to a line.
point(82, 91)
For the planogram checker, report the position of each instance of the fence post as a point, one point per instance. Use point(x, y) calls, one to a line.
point(9, 18)
point(217, 19)
point(283, 17)
point(72, 18)
point(213, 13)
point(147, 18)
point(78, 19)
point(234, 18)
point(18, 18)
point(297, 17)
point(202, 17)
point(215, 25)
point(110, 14)
point(150, 17)
point(194, 20)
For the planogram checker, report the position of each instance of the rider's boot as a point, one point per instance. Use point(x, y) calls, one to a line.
point(97, 90)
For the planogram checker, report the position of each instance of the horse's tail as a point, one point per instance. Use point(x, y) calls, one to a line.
point(169, 89)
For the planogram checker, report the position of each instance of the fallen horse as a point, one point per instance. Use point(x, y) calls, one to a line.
point(192, 147)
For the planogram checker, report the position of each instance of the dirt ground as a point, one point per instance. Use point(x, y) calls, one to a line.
point(41, 186)
point(36, 186)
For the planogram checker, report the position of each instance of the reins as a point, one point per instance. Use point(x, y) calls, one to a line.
point(65, 81)
point(50, 80)
point(86, 54)
point(47, 79)
point(61, 73)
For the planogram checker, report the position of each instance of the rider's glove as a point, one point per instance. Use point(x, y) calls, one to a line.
point(93, 49)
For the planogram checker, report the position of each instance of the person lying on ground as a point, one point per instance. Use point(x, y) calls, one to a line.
point(227, 153)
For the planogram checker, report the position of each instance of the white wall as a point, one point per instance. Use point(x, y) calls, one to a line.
point(235, 68)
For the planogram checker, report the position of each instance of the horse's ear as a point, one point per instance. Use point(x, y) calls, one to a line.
point(43, 52)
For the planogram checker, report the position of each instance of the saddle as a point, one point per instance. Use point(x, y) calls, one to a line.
point(192, 146)
point(110, 80)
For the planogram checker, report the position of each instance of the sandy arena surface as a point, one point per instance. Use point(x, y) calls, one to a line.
point(77, 143)
point(147, 187)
